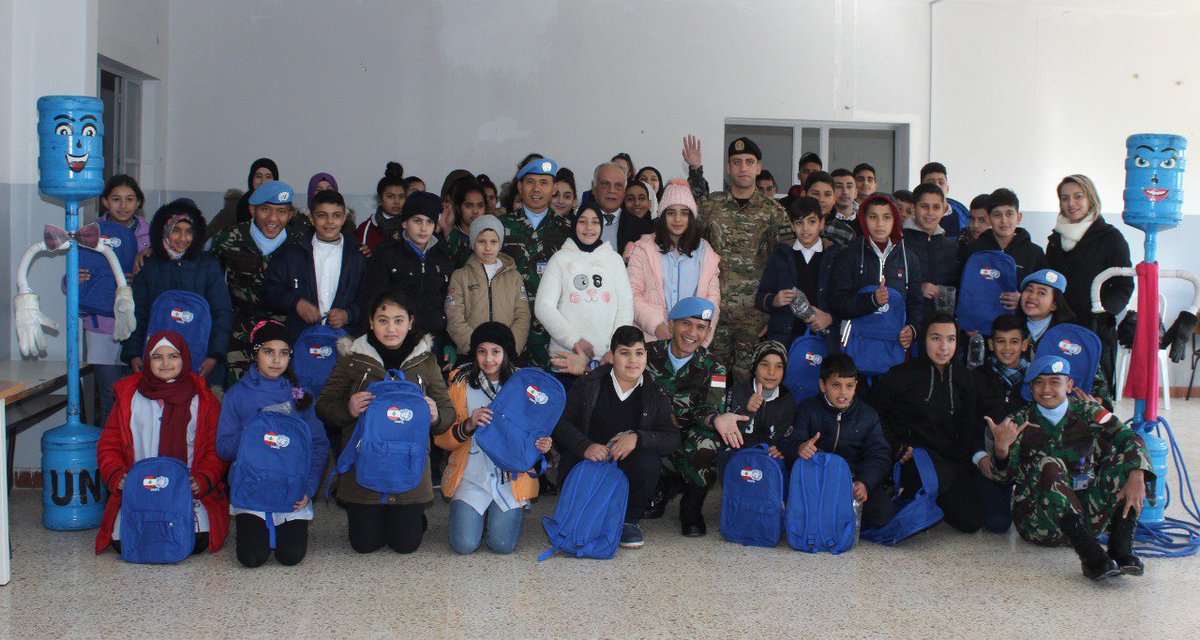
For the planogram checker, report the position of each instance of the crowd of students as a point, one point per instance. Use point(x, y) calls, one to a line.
point(665, 310)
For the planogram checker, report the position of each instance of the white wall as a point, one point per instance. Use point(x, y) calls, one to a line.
point(438, 85)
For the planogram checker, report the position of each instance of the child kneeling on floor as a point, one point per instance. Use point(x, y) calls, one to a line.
point(836, 421)
point(477, 489)
point(1078, 471)
point(767, 409)
point(269, 386)
point(165, 409)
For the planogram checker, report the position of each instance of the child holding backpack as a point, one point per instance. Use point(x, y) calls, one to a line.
point(764, 399)
point(269, 386)
point(165, 410)
point(395, 340)
point(838, 422)
point(476, 488)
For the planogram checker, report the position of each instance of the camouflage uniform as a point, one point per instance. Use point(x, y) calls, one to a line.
point(458, 247)
point(531, 249)
point(743, 237)
point(245, 267)
point(1044, 460)
point(695, 396)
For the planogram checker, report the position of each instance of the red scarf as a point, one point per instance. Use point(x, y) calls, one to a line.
point(176, 396)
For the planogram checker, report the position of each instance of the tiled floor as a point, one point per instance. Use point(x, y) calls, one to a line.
point(939, 584)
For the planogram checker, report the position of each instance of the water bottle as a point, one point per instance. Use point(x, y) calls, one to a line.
point(857, 521)
point(976, 352)
point(801, 307)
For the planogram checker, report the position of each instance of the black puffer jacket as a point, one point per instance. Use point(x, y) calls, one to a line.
point(854, 434)
point(656, 429)
point(1102, 246)
point(770, 422)
point(396, 265)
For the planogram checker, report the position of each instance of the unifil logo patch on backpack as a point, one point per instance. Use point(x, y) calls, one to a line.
point(1069, 348)
point(275, 440)
point(320, 351)
point(751, 475)
point(182, 316)
point(156, 483)
point(398, 415)
point(814, 359)
point(535, 395)
point(989, 273)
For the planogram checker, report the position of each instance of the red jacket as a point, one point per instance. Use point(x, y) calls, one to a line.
point(115, 454)
point(370, 234)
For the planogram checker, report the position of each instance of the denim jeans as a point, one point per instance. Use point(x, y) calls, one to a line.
point(467, 527)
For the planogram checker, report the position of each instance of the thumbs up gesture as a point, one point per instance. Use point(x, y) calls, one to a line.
point(808, 447)
point(881, 293)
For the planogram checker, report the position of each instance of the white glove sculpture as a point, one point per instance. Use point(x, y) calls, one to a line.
point(124, 320)
point(29, 321)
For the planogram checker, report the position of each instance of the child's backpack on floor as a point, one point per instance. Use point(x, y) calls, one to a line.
point(389, 448)
point(985, 276)
point(820, 508)
point(1079, 346)
point(314, 356)
point(590, 512)
point(158, 524)
point(96, 294)
point(526, 408)
point(186, 313)
point(803, 374)
point(915, 513)
point(273, 460)
point(752, 501)
point(874, 338)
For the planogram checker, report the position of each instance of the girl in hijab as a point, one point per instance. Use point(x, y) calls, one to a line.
point(165, 410)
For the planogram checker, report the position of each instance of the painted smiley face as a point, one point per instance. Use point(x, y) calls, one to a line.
point(71, 137)
point(1154, 165)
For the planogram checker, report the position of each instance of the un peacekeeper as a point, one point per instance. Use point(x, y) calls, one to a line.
point(1078, 471)
point(695, 383)
point(244, 251)
point(531, 235)
point(742, 225)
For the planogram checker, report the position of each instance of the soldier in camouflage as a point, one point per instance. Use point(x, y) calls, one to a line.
point(1078, 471)
point(742, 225)
point(531, 235)
point(695, 383)
point(243, 251)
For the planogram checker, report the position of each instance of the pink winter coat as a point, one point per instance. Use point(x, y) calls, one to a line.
point(646, 280)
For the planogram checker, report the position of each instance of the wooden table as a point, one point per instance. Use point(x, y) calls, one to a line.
point(26, 388)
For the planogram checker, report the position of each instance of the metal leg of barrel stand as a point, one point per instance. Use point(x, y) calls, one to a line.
point(1195, 361)
point(5, 550)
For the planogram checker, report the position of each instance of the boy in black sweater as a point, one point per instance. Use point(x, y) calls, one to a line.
point(998, 384)
point(837, 422)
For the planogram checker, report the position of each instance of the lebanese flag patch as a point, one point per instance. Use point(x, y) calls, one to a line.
point(718, 382)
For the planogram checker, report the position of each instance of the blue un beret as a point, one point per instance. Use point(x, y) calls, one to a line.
point(694, 307)
point(1052, 365)
point(539, 166)
point(1048, 277)
point(275, 192)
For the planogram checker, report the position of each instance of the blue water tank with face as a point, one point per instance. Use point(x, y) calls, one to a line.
point(71, 154)
point(1154, 166)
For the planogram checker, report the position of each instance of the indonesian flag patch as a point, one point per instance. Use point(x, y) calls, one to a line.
point(718, 382)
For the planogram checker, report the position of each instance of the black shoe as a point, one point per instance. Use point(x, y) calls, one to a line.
point(545, 487)
point(691, 511)
point(1120, 543)
point(658, 502)
point(1092, 557)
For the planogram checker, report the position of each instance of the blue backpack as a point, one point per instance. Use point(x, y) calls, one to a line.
point(527, 407)
point(96, 294)
point(803, 374)
point(271, 470)
point(820, 508)
point(914, 514)
point(874, 340)
point(158, 524)
point(1079, 346)
point(752, 499)
point(186, 313)
point(985, 276)
point(590, 512)
point(389, 448)
point(314, 356)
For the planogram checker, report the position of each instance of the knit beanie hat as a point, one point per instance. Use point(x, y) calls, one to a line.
point(421, 203)
point(266, 331)
point(495, 333)
point(483, 223)
point(764, 349)
point(677, 192)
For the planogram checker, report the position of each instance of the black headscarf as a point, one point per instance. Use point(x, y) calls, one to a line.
point(595, 208)
point(243, 205)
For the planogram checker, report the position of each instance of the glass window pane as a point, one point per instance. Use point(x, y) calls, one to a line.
point(131, 127)
point(849, 147)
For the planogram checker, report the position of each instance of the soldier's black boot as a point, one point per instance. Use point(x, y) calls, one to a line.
point(1096, 563)
point(658, 502)
point(691, 511)
point(1120, 542)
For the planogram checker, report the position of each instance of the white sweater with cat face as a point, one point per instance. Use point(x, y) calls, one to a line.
point(584, 295)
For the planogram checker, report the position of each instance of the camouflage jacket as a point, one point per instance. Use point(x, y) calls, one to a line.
point(1083, 436)
point(245, 266)
point(458, 247)
point(697, 391)
point(743, 237)
point(531, 248)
